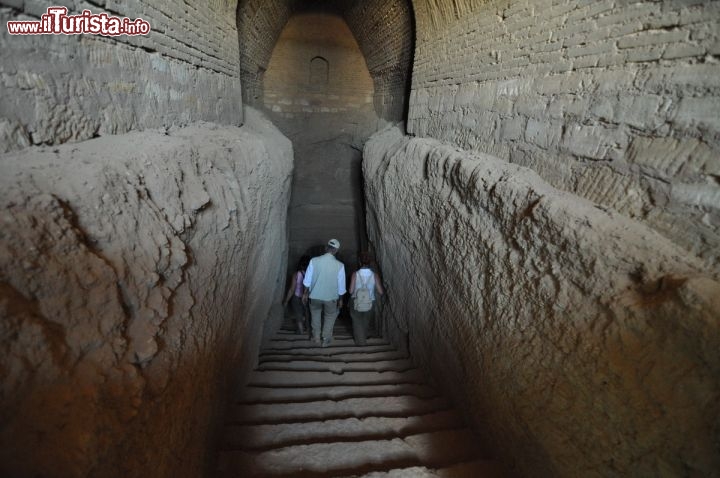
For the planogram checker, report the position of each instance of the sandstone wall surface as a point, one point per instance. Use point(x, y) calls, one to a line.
point(135, 274)
point(580, 342)
point(316, 67)
point(317, 89)
point(383, 30)
point(615, 101)
point(327, 197)
point(59, 88)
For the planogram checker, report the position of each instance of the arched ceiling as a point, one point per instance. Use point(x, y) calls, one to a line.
point(382, 28)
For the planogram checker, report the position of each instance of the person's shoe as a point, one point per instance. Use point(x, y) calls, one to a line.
point(325, 342)
point(316, 341)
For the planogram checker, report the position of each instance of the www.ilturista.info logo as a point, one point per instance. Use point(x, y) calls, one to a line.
point(57, 22)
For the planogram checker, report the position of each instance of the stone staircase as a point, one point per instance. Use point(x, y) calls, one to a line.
point(344, 411)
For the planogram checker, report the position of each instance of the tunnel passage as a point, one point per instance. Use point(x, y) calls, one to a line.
point(319, 92)
point(329, 74)
point(549, 236)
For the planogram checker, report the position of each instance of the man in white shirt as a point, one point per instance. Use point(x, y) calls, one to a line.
point(325, 285)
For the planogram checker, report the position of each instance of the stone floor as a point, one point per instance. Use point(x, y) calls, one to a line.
point(344, 411)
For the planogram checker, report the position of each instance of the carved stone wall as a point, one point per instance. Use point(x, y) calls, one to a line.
point(135, 275)
point(59, 88)
point(615, 101)
point(580, 342)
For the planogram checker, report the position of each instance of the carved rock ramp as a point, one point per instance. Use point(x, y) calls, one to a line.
point(345, 411)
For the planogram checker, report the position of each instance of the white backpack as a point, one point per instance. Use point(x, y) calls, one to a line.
point(363, 301)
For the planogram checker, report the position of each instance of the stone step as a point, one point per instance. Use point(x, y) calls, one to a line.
point(472, 469)
point(305, 337)
point(296, 336)
point(290, 326)
point(316, 351)
point(290, 330)
point(284, 379)
point(342, 411)
point(259, 437)
point(431, 450)
point(284, 395)
point(304, 342)
point(338, 367)
point(399, 406)
point(342, 357)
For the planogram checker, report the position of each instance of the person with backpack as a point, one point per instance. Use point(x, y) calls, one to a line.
point(363, 285)
point(294, 295)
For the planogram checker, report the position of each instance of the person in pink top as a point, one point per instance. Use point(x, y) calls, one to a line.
point(295, 293)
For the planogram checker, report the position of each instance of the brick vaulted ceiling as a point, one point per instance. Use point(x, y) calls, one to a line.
point(382, 28)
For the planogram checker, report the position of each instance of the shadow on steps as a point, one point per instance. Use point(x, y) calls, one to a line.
point(344, 410)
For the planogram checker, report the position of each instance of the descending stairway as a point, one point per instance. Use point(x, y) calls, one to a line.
point(344, 411)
